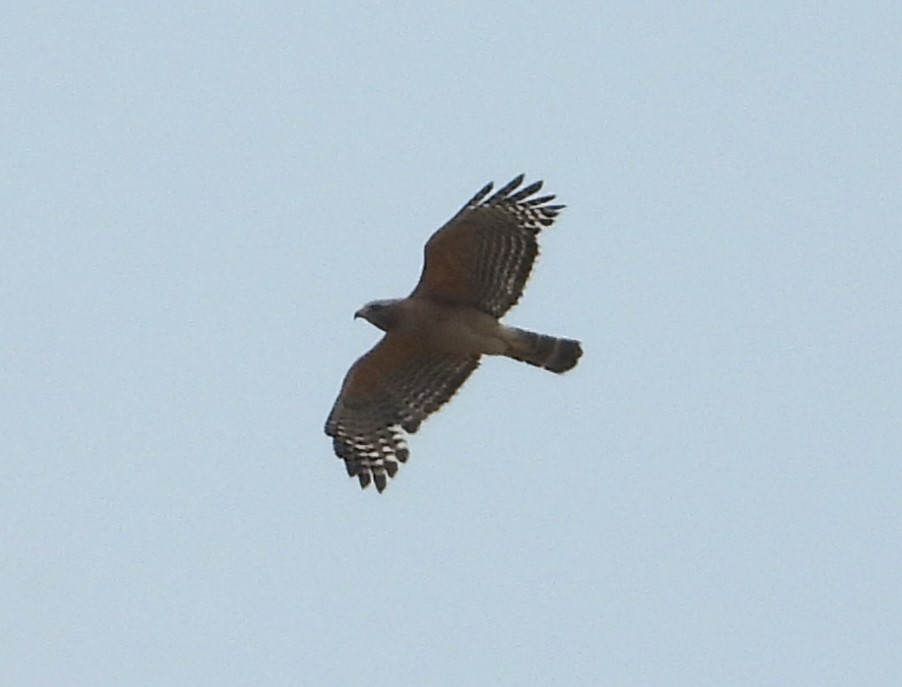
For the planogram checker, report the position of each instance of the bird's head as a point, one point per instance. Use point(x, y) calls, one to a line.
point(381, 314)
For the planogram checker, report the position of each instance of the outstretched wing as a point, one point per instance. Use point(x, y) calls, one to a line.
point(483, 256)
point(387, 392)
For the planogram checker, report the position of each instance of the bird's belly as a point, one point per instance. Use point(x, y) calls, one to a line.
point(467, 331)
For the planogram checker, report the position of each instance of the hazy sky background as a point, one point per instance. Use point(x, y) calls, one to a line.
point(195, 200)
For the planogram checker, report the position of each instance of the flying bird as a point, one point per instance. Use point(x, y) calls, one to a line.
point(476, 267)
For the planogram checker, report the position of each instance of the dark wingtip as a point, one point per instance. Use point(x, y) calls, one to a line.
point(481, 194)
point(526, 192)
point(509, 186)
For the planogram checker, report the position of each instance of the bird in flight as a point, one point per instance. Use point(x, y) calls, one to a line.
point(476, 267)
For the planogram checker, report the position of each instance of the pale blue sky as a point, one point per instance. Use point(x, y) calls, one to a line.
point(195, 200)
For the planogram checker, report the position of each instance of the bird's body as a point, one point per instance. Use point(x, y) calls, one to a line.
point(475, 269)
point(452, 329)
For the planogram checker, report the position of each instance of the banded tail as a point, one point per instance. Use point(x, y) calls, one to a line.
point(547, 352)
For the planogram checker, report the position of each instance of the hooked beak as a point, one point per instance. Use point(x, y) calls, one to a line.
point(359, 313)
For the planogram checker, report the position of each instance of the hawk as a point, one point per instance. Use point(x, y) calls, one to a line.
point(475, 269)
